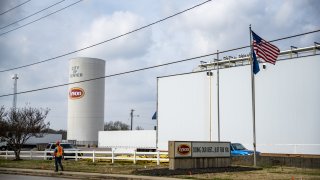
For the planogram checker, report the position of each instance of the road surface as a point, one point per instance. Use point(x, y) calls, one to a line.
point(26, 177)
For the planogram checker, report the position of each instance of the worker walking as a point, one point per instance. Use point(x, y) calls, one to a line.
point(58, 156)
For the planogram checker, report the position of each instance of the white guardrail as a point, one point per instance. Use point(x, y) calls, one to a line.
point(94, 155)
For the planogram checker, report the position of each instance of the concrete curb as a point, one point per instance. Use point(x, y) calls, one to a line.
point(75, 175)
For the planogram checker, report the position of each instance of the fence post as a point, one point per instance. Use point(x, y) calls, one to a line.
point(158, 157)
point(76, 155)
point(134, 157)
point(112, 155)
point(45, 155)
point(30, 154)
point(93, 155)
point(7, 154)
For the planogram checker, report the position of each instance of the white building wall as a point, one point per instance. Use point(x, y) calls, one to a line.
point(287, 103)
point(183, 108)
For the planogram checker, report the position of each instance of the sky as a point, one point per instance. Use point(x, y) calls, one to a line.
point(216, 25)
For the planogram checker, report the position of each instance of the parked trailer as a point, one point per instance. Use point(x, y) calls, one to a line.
point(36, 142)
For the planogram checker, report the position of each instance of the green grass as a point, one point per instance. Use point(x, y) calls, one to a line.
point(81, 165)
point(293, 170)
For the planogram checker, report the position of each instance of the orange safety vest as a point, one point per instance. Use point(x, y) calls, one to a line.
point(59, 151)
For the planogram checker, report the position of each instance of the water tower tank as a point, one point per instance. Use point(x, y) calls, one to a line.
point(86, 100)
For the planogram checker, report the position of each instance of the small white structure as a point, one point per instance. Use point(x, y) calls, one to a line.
point(86, 100)
point(138, 139)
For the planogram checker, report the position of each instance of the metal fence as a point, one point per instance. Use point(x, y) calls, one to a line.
point(113, 156)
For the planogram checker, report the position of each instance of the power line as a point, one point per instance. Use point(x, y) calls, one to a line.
point(112, 75)
point(32, 14)
point(40, 18)
point(153, 67)
point(91, 46)
point(14, 7)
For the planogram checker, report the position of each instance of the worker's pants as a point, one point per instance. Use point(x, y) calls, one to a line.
point(57, 161)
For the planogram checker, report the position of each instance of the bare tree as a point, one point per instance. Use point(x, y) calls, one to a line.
point(2, 112)
point(17, 125)
point(115, 126)
point(139, 128)
point(2, 123)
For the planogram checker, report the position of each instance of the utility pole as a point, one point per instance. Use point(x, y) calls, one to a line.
point(15, 78)
point(131, 116)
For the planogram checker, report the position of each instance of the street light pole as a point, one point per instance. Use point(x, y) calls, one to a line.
point(15, 78)
point(210, 74)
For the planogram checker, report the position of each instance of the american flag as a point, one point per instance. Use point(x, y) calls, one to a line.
point(265, 50)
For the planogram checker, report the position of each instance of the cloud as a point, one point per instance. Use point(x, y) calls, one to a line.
point(6, 5)
point(217, 25)
point(106, 27)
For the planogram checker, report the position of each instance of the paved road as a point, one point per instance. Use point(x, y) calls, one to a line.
point(26, 177)
point(46, 174)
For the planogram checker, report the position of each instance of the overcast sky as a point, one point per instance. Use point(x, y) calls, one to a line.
point(217, 25)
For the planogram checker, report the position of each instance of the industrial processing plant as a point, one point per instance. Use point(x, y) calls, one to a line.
point(215, 106)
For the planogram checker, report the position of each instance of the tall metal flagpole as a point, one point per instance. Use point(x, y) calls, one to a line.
point(253, 102)
point(218, 99)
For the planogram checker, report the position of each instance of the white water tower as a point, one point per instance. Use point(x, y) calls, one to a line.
point(86, 100)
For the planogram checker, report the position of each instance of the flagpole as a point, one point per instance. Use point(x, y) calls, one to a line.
point(218, 99)
point(253, 102)
point(209, 74)
point(210, 104)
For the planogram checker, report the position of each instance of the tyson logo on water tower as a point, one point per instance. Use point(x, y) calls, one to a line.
point(76, 93)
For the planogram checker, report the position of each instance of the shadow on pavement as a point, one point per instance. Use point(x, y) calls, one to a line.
point(167, 172)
